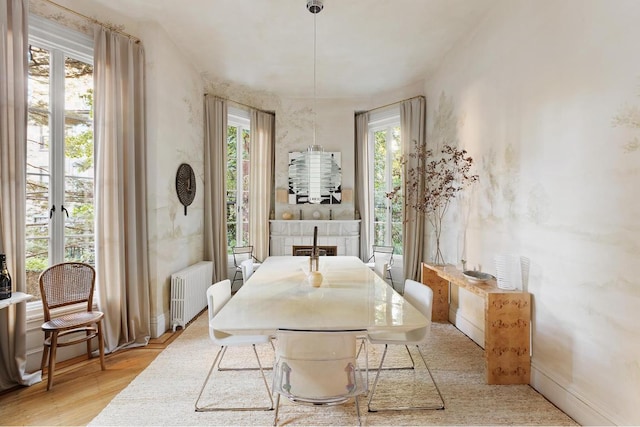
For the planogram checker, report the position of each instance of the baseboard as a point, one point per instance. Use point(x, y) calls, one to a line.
point(577, 407)
point(159, 325)
point(465, 326)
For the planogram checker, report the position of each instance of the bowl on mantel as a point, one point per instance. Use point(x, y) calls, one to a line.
point(477, 276)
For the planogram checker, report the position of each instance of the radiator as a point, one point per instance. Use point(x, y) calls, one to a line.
point(189, 292)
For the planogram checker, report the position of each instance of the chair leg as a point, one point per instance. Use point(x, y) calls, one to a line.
point(101, 345)
point(52, 359)
point(275, 416)
point(375, 383)
point(432, 379)
point(217, 361)
point(235, 277)
point(45, 352)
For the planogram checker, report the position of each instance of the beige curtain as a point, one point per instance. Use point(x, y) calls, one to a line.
point(363, 201)
point(122, 260)
point(215, 198)
point(13, 139)
point(412, 128)
point(261, 180)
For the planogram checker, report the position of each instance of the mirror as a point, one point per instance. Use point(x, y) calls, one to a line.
point(314, 177)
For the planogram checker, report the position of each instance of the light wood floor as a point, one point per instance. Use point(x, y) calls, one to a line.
point(80, 389)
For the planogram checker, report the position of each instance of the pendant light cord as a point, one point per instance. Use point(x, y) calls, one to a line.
point(314, 78)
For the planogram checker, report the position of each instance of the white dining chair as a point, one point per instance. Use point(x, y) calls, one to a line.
point(421, 297)
point(240, 254)
point(382, 254)
point(247, 269)
point(317, 368)
point(217, 296)
point(380, 267)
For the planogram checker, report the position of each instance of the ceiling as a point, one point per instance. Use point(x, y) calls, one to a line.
point(363, 47)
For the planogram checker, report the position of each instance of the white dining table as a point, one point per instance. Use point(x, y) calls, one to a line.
point(351, 297)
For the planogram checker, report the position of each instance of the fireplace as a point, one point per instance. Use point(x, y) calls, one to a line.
point(336, 237)
point(306, 250)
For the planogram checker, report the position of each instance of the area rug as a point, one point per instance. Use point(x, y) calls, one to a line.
point(165, 392)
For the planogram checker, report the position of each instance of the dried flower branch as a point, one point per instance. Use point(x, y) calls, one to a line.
point(433, 179)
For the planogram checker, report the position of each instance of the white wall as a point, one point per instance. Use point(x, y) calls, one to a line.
point(175, 133)
point(535, 93)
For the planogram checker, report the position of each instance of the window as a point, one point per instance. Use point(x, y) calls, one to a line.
point(237, 185)
point(60, 161)
point(384, 131)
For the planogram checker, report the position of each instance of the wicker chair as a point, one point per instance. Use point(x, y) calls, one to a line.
point(62, 285)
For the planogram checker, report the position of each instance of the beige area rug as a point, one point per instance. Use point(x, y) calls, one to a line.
point(165, 392)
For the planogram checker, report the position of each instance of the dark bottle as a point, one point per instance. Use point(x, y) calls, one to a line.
point(5, 278)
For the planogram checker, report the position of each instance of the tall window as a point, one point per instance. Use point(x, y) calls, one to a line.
point(384, 131)
point(60, 161)
point(238, 135)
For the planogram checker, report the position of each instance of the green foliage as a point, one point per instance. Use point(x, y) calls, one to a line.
point(80, 147)
point(36, 264)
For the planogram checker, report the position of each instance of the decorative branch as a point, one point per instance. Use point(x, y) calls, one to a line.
point(432, 180)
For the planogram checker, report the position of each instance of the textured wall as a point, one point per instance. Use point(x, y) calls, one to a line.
point(545, 96)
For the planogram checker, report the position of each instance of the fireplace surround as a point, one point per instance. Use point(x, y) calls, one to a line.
point(344, 235)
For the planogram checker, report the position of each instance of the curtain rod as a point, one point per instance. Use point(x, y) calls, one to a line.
point(95, 21)
point(240, 103)
point(393, 103)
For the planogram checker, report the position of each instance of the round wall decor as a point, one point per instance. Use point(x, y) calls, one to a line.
point(185, 185)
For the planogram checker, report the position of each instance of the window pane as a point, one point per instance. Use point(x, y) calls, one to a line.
point(396, 182)
point(237, 184)
point(79, 172)
point(231, 186)
point(38, 170)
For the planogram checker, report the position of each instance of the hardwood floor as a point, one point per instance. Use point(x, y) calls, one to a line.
point(80, 389)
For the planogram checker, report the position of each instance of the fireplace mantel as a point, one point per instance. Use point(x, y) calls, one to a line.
point(344, 234)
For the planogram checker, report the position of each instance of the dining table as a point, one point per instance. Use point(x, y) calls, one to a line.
point(279, 295)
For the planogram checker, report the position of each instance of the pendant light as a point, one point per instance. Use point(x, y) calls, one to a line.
point(315, 153)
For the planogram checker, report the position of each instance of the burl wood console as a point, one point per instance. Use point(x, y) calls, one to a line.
point(507, 322)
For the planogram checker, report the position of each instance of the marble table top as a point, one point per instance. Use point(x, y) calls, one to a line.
point(352, 297)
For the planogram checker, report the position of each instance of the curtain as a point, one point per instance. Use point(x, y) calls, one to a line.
point(122, 259)
point(261, 180)
point(215, 198)
point(412, 129)
point(13, 139)
point(363, 190)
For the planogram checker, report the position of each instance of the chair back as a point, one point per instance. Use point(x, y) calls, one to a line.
point(383, 252)
point(241, 253)
point(381, 267)
point(421, 297)
point(316, 366)
point(65, 284)
point(247, 269)
point(218, 295)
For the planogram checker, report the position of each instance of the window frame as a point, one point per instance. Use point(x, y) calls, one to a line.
point(240, 119)
point(384, 120)
point(61, 42)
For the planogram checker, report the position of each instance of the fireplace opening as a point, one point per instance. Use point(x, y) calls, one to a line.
point(306, 250)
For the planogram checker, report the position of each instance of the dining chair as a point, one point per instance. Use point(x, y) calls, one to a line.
point(63, 285)
point(218, 295)
point(380, 268)
point(421, 297)
point(382, 254)
point(317, 368)
point(242, 253)
point(247, 269)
